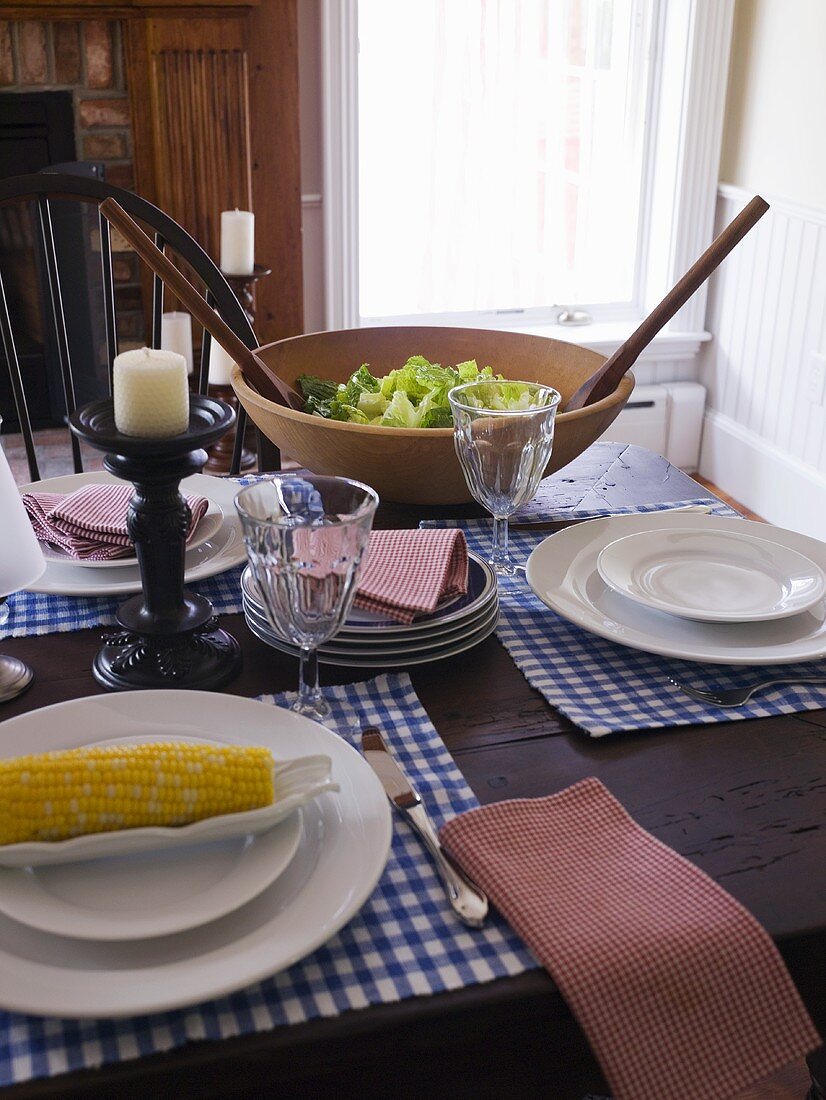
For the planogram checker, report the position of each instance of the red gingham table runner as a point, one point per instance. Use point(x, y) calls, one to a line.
point(90, 524)
point(411, 572)
point(679, 990)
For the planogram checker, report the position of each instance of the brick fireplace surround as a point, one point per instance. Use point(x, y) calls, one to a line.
point(86, 59)
point(194, 104)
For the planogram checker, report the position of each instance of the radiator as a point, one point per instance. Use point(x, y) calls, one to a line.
point(666, 418)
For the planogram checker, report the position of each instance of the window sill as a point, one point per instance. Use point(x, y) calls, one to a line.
point(607, 337)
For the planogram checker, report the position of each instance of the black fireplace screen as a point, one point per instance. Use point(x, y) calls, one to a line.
point(37, 134)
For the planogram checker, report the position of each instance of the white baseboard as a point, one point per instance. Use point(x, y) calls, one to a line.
point(763, 477)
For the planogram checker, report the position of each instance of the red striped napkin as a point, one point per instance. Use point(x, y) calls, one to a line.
point(409, 573)
point(90, 524)
point(679, 990)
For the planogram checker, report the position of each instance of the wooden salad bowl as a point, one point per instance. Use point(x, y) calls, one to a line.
point(418, 465)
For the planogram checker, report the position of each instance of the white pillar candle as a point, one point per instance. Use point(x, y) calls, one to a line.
point(176, 335)
point(151, 393)
point(237, 242)
point(220, 364)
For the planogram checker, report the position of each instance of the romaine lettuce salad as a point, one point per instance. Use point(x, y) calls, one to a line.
point(414, 396)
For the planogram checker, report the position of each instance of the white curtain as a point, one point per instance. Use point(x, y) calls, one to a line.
point(499, 153)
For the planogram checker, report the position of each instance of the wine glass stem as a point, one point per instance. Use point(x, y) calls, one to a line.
point(309, 693)
point(500, 558)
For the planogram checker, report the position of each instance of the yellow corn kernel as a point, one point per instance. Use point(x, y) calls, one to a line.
point(58, 795)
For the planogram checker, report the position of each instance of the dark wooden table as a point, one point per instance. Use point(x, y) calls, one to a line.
point(744, 800)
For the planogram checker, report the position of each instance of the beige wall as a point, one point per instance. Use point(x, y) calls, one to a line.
point(775, 134)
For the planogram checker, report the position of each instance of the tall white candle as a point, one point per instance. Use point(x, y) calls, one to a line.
point(237, 242)
point(220, 364)
point(176, 335)
point(151, 393)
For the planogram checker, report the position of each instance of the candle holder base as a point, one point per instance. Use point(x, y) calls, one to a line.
point(170, 637)
point(204, 659)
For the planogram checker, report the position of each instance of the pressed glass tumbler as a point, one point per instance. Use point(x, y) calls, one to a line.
point(504, 434)
point(306, 538)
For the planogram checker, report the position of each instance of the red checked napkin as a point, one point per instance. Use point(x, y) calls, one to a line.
point(90, 524)
point(679, 990)
point(409, 573)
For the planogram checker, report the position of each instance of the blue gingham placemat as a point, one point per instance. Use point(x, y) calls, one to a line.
point(37, 613)
point(405, 942)
point(603, 687)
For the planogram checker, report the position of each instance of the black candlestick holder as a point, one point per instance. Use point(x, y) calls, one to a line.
point(170, 636)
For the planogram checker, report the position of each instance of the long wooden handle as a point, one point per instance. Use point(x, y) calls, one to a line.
point(605, 380)
point(256, 371)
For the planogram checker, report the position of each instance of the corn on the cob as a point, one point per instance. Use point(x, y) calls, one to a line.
point(58, 795)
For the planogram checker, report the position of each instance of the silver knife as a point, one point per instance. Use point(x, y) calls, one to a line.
point(466, 899)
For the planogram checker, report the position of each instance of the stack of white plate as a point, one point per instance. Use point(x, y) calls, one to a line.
point(369, 640)
point(700, 588)
point(131, 932)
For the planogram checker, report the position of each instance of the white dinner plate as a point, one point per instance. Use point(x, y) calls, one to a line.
point(414, 656)
point(403, 639)
point(208, 528)
point(343, 848)
point(218, 553)
point(381, 647)
point(713, 576)
point(152, 893)
point(562, 571)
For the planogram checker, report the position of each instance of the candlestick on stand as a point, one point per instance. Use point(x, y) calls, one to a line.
point(220, 456)
point(170, 636)
point(176, 335)
point(237, 241)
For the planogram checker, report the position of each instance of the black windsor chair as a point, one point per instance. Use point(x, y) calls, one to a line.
point(42, 190)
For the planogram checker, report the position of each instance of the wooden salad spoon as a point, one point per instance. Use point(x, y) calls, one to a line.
point(606, 379)
point(255, 370)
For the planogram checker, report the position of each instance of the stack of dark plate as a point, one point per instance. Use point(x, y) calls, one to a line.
point(368, 639)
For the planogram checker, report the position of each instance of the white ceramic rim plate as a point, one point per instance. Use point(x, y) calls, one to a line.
point(80, 899)
point(712, 576)
point(562, 571)
point(208, 528)
point(219, 553)
point(345, 841)
point(378, 647)
point(415, 656)
point(358, 624)
point(379, 640)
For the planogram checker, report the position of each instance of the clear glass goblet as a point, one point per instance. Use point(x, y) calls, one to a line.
point(306, 538)
point(504, 434)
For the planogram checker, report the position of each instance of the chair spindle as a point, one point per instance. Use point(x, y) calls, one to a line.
point(58, 318)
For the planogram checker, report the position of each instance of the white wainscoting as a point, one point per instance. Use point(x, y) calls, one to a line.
point(764, 440)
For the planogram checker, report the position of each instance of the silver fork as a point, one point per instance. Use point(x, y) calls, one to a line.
point(736, 697)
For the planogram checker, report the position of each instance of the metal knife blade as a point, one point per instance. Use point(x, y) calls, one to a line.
point(468, 902)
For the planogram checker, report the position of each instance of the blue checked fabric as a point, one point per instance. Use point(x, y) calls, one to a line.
point(606, 688)
point(36, 613)
point(405, 942)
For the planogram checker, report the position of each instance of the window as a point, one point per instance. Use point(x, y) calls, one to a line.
point(500, 149)
point(490, 161)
